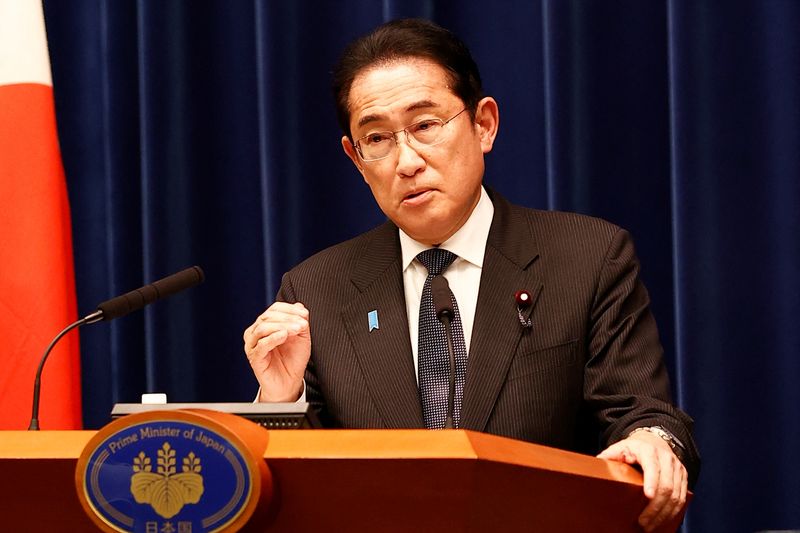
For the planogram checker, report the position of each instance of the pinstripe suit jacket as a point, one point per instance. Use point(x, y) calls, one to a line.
point(586, 373)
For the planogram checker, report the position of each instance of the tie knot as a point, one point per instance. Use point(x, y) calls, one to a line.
point(436, 260)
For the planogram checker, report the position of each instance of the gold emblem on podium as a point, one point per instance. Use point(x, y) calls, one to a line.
point(147, 473)
point(166, 490)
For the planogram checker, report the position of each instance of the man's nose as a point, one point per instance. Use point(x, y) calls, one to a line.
point(409, 160)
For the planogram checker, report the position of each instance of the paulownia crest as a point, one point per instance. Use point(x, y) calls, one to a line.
point(166, 490)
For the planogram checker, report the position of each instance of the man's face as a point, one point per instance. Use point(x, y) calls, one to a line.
point(428, 191)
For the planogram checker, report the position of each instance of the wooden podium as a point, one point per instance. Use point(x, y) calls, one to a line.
point(366, 480)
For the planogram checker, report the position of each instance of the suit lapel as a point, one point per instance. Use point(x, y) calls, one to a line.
point(384, 354)
point(497, 330)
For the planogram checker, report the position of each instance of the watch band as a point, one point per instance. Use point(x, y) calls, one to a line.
point(660, 432)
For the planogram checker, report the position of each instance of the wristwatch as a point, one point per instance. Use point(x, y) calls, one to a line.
point(659, 431)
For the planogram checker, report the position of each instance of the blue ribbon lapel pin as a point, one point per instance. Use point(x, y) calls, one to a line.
point(372, 317)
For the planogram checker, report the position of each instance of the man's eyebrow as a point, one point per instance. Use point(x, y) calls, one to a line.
point(422, 104)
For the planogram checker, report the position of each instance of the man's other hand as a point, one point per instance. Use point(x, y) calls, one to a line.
point(278, 346)
point(665, 478)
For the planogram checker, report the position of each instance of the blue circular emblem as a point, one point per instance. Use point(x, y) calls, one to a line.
point(167, 476)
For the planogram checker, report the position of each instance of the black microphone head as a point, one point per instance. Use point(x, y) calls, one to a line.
point(442, 297)
point(135, 300)
point(177, 282)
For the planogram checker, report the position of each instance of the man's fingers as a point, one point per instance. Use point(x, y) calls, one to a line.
point(266, 336)
point(670, 492)
point(295, 309)
point(292, 325)
point(647, 457)
point(618, 452)
point(651, 470)
point(266, 344)
point(684, 485)
point(680, 488)
point(280, 318)
point(291, 318)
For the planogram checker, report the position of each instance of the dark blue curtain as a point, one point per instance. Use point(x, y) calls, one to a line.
point(203, 133)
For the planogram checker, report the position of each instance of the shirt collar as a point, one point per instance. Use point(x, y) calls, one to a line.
point(468, 243)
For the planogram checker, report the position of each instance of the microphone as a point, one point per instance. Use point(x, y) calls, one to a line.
point(115, 308)
point(443, 304)
point(135, 300)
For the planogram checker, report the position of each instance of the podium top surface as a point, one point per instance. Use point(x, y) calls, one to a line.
point(360, 444)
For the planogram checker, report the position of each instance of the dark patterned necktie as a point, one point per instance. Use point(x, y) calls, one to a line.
point(433, 357)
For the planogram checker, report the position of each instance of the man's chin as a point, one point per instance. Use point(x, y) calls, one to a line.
point(429, 233)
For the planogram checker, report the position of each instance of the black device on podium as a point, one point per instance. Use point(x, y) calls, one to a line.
point(294, 415)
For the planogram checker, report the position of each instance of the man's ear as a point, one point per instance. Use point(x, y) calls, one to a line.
point(350, 150)
point(487, 120)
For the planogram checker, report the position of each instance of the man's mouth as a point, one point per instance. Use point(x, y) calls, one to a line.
point(415, 194)
point(416, 197)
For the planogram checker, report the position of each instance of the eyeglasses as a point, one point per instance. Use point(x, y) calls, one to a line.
point(380, 144)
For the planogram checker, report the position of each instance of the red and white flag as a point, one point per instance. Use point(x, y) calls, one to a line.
point(37, 280)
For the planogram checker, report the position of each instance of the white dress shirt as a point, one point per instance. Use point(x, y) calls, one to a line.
point(463, 276)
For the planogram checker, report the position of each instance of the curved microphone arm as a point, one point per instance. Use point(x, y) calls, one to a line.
point(34, 425)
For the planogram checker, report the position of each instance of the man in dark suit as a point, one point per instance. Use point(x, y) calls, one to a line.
point(553, 336)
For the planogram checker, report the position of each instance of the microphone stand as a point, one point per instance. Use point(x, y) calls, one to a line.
point(445, 318)
point(115, 308)
point(37, 383)
point(442, 303)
